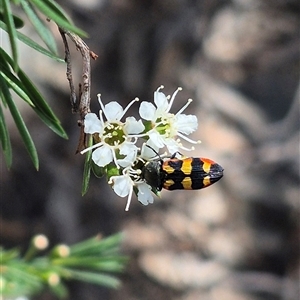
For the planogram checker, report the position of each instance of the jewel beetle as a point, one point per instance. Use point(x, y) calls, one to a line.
point(189, 173)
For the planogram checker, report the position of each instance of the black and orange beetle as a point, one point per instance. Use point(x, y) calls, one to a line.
point(190, 173)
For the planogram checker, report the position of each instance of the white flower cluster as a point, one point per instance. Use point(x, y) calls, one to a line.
point(115, 141)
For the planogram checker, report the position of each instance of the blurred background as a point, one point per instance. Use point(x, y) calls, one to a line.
point(239, 61)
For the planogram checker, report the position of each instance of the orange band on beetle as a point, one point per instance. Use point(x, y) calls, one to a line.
point(186, 167)
point(187, 183)
point(207, 164)
point(206, 181)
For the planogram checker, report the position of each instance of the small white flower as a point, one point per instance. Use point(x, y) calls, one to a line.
point(113, 137)
point(123, 186)
point(144, 194)
point(132, 126)
point(115, 141)
point(166, 126)
point(92, 124)
point(129, 153)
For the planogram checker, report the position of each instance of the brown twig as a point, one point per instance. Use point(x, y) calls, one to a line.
point(73, 99)
point(85, 87)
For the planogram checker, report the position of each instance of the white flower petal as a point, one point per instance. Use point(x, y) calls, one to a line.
point(186, 123)
point(127, 148)
point(144, 193)
point(172, 145)
point(122, 185)
point(92, 124)
point(102, 156)
point(147, 111)
point(125, 162)
point(161, 101)
point(156, 138)
point(113, 111)
point(130, 152)
point(132, 126)
point(147, 152)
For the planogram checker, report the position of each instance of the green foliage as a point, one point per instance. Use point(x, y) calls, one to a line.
point(13, 78)
point(93, 261)
point(20, 125)
point(87, 169)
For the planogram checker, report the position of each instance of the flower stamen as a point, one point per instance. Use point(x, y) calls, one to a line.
point(129, 199)
point(91, 148)
point(160, 88)
point(188, 139)
point(115, 159)
point(172, 99)
point(101, 117)
point(129, 105)
point(185, 106)
point(100, 101)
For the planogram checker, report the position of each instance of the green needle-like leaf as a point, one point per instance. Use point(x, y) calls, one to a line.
point(11, 29)
point(16, 85)
point(20, 279)
point(55, 127)
point(96, 245)
point(87, 169)
point(96, 263)
point(28, 278)
point(41, 107)
point(86, 247)
point(29, 42)
point(86, 173)
point(99, 172)
point(7, 255)
point(18, 22)
point(60, 290)
point(20, 124)
point(39, 26)
point(91, 277)
point(54, 12)
point(4, 138)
